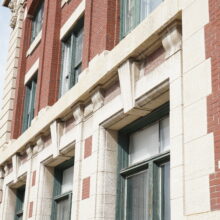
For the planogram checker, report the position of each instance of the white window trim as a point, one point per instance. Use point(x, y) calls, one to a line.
point(63, 2)
point(34, 44)
point(31, 71)
point(72, 19)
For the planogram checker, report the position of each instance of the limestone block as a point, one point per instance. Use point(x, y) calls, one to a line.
point(197, 83)
point(176, 93)
point(194, 19)
point(197, 195)
point(195, 120)
point(193, 50)
point(176, 149)
point(199, 157)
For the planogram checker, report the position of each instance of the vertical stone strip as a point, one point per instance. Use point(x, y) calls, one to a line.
point(212, 43)
point(6, 113)
point(78, 114)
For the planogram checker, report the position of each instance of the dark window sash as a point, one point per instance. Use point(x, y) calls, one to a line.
point(57, 196)
point(37, 21)
point(29, 103)
point(153, 164)
point(71, 64)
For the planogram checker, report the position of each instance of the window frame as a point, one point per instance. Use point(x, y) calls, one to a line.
point(35, 25)
point(57, 196)
point(29, 102)
point(137, 16)
point(19, 207)
point(152, 164)
point(69, 67)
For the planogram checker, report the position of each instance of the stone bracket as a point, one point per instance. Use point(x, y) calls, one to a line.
point(56, 132)
point(128, 73)
point(172, 39)
point(78, 113)
point(97, 98)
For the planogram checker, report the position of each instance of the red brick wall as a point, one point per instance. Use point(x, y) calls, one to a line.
point(101, 27)
point(86, 188)
point(101, 32)
point(30, 214)
point(68, 9)
point(88, 147)
point(20, 93)
point(212, 40)
point(48, 78)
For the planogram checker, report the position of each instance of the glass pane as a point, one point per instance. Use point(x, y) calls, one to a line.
point(137, 201)
point(153, 4)
point(129, 18)
point(67, 181)
point(165, 134)
point(165, 191)
point(144, 143)
point(144, 9)
point(79, 46)
point(66, 62)
point(63, 209)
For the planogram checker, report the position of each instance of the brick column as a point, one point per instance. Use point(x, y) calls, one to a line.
point(49, 70)
point(101, 27)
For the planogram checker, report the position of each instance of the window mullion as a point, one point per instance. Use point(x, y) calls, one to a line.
point(156, 192)
point(150, 190)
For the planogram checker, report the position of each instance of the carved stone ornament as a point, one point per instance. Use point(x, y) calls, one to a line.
point(78, 113)
point(29, 152)
point(97, 98)
point(172, 39)
point(6, 169)
point(14, 10)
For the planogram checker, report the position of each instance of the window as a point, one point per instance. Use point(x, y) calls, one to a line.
point(37, 21)
point(71, 58)
point(144, 168)
point(134, 11)
point(20, 193)
point(29, 105)
point(62, 193)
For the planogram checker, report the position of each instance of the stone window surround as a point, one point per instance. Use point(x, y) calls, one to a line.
point(34, 44)
point(31, 71)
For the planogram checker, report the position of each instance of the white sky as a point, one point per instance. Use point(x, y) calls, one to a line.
point(4, 38)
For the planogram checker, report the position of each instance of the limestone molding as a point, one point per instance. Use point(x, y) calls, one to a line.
point(172, 39)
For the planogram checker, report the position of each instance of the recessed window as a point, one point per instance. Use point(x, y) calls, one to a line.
point(29, 104)
point(71, 63)
point(20, 194)
point(134, 11)
point(62, 193)
point(144, 170)
point(37, 21)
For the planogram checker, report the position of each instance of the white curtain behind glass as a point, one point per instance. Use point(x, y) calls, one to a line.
point(144, 143)
point(149, 141)
point(67, 181)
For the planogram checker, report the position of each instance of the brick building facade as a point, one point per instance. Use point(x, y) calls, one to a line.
point(111, 110)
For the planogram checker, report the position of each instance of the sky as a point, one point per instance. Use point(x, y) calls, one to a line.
point(4, 38)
